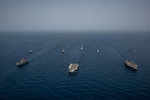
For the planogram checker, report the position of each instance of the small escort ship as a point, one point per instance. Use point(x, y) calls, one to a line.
point(63, 51)
point(30, 51)
point(73, 68)
point(97, 50)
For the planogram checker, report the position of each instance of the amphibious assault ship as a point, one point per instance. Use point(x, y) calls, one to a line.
point(23, 61)
point(131, 64)
point(73, 68)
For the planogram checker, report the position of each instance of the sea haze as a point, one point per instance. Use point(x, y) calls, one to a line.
point(101, 75)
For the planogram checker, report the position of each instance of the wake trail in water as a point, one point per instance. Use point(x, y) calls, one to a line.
point(44, 46)
point(116, 53)
point(95, 47)
point(76, 52)
point(38, 52)
point(78, 56)
point(66, 48)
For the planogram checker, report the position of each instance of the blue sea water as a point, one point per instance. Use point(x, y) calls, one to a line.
point(101, 76)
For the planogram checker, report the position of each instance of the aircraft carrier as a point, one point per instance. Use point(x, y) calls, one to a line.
point(131, 64)
point(73, 68)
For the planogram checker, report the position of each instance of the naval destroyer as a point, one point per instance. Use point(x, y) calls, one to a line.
point(97, 50)
point(63, 51)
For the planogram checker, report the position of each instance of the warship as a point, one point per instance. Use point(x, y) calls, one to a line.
point(97, 50)
point(81, 48)
point(30, 51)
point(63, 51)
point(131, 64)
point(73, 68)
point(23, 61)
point(133, 51)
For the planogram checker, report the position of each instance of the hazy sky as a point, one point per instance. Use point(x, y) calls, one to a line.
point(70, 15)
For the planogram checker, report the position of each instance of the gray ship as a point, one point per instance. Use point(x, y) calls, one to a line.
point(73, 68)
point(30, 51)
point(81, 48)
point(97, 50)
point(23, 61)
point(63, 51)
point(131, 64)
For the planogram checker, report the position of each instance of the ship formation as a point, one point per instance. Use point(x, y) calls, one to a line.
point(73, 67)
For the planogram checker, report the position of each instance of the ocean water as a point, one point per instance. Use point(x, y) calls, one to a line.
point(101, 76)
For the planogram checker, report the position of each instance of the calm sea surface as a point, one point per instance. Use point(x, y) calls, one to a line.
point(100, 76)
